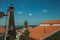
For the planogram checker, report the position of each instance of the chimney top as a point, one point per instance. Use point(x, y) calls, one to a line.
point(11, 5)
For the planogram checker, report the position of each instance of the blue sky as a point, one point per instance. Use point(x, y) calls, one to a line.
point(34, 11)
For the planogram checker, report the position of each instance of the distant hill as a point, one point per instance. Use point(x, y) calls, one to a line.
point(21, 26)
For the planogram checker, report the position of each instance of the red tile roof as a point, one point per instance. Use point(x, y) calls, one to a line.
point(2, 29)
point(51, 22)
point(40, 31)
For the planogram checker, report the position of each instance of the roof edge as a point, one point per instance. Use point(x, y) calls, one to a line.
point(49, 34)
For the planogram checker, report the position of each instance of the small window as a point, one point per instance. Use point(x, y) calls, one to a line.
point(51, 24)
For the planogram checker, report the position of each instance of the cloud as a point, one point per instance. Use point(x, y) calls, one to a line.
point(45, 10)
point(30, 14)
point(20, 12)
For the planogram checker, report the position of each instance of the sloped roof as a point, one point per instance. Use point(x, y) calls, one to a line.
point(53, 36)
point(2, 29)
point(38, 32)
point(41, 31)
point(51, 22)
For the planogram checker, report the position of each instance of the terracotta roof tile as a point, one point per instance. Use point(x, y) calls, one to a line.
point(41, 31)
point(2, 29)
point(51, 22)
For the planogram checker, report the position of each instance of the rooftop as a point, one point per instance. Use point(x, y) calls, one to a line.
point(51, 22)
point(41, 31)
point(2, 29)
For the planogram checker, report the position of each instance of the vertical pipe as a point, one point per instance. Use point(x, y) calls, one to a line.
point(44, 30)
point(7, 23)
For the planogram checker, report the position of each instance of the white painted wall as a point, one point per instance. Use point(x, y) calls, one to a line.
point(44, 24)
point(18, 35)
point(56, 24)
point(49, 25)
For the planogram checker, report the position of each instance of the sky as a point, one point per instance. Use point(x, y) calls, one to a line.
point(34, 11)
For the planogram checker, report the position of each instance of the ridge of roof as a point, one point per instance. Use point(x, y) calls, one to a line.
point(51, 22)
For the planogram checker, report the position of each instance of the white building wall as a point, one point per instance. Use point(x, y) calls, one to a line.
point(49, 25)
point(44, 24)
point(56, 24)
point(18, 35)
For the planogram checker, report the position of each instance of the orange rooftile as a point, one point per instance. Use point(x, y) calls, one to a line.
point(2, 29)
point(40, 31)
point(51, 22)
